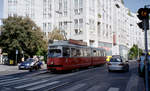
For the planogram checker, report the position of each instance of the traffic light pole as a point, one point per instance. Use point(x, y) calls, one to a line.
point(146, 60)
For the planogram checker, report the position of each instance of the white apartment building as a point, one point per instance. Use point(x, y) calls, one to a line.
point(100, 23)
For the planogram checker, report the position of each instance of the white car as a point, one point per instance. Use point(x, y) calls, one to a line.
point(117, 63)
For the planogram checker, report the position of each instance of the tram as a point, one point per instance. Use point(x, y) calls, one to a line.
point(73, 54)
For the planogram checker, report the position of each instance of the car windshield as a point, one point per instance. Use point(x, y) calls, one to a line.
point(28, 60)
point(54, 53)
point(115, 60)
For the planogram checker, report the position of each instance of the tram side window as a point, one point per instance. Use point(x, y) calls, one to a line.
point(104, 53)
point(88, 52)
point(99, 53)
point(94, 53)
point(85, 52)
point(82, 53)
point(78, 52)
point(73, 52)
point(66, 52)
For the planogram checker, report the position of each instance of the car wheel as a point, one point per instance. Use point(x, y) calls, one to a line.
point(109, 70)
point(30, 69)
point(127, 70)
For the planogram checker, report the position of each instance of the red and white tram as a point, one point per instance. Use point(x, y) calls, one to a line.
point(72, 54)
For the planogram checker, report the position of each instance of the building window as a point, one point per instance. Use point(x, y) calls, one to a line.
point(65, 25)
point(60, 5)
point(75, 4)
point(81, 23)
point(81, 3)
point(76, 23)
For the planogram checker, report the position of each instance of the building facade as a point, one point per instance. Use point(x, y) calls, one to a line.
point(101, 23)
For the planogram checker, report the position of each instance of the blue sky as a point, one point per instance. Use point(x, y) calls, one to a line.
point(133, 5)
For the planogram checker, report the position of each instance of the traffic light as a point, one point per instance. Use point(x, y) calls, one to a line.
point(141, 25)
point(143, 13)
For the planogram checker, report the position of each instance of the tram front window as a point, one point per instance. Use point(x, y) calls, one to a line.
point(54, 53)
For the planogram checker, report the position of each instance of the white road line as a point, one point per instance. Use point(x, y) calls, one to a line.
point(95, 88)
point(9, 79)
point(132, 83)
point(113, 89)
point(10, 82)
point(34, 83)
point(43, 85)
point(2, 77)
point(75, 87)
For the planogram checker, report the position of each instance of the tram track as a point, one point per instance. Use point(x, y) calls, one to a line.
point(74, 80)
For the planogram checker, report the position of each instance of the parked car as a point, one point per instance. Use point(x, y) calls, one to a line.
point(117, 63)
point(30, 64)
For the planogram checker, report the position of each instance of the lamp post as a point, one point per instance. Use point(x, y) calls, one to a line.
point(138, 50)
point(16, 55)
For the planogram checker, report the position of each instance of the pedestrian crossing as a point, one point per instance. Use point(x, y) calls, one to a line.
point(43, 84)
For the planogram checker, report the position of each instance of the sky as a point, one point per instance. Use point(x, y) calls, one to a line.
point(1, 9)
point(133, 5)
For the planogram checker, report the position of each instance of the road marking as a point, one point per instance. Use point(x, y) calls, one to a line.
point(113, 89)
point(95, 88)
point(132, 83)
point(75, 87)
point(43, 85)
point(9, 79)
point(34, 83)
point(25, 80)
point(14, 81)
point(3, 77)
point(57, 86)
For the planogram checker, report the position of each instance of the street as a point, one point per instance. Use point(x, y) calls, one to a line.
point(91, 79)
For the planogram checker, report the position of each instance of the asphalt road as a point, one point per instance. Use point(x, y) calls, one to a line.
point(92, 79)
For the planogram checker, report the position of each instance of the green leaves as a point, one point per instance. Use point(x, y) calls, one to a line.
point(134, 52)
point(21, 34)
point(56, 35)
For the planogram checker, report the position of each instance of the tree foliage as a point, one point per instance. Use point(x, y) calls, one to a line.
point(56, 35)
point(21, 34)
point(122, 1)
point(133, 52)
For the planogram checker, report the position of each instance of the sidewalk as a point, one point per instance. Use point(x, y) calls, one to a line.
point(13, 68)
point(8, 68)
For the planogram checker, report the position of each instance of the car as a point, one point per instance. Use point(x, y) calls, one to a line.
point(26, 64)
point(29, 64)
point(117, 63)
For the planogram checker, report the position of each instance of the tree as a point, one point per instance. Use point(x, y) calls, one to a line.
point(21, 34)
point(133, 52)
point(122, 1)
point(56, 35)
